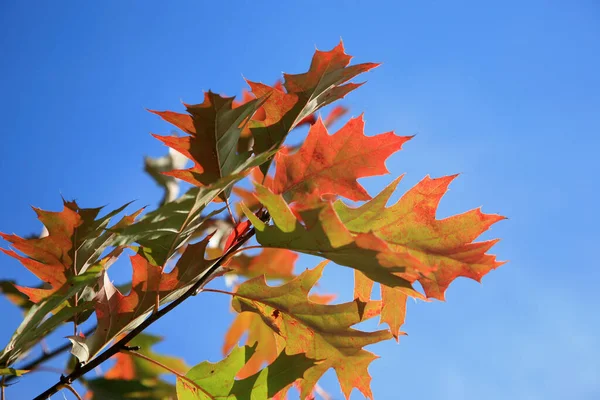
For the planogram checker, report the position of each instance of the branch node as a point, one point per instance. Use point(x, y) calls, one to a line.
point(131, 348)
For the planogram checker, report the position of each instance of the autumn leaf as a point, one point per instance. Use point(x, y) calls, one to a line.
point(117, 313)
point(321, 233)
point(273, 263)
point(165, 230)
point(214, 127)
point(323, 332)
point(302, 95)
point(393, 302)
point(207, 381)
point(331, 164)
point(75, 241)
point(134, 377)
point(10, 290)
point(268, 343)
point(12, 372)
point(444, 246)
point(44, 317)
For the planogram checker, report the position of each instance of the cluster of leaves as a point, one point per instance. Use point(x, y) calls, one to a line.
point(292, 337)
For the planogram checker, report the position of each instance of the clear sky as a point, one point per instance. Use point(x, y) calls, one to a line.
point(506, 93)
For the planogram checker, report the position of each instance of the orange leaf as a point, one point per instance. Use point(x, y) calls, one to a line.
point(322, 332)
point(324, 83)
point(117, 313)
point(75, 241)
point(273, 263)
point(214, 127)
point(393, 301)
point(331, 164)
point(445, 247)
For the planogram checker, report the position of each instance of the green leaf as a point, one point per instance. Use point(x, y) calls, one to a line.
point(207, 381)
point(164, 230)
point(323, 332)
point(323, 234)
point(215, 128)
point(35, 324)
point(12, 372)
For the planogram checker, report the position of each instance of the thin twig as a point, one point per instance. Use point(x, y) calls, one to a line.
point(70, 388)
point(230, 213)
point(163, 366)
point(116, 347)
point(2, 388)
point(220, 291)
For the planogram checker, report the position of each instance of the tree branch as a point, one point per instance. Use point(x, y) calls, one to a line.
point(116, 347)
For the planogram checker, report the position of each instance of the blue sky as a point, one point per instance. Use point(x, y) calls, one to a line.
point(505, 93)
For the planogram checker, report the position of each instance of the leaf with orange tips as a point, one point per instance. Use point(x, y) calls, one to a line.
point(117, 313)
point(393, 301)
point(268, 343)
point(214, 127)
point(324, 83)
point(444, 246)
point(75, 241)
point(273, 263)
point(321, 332)
point(331, 164)
point(208, 381)
point(320, 232)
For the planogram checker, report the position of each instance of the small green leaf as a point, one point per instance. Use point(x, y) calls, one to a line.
point(211, 381)
point(12, 372)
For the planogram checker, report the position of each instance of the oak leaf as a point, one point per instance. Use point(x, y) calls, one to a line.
point(208, 381)
point(319, 231)
point(117, 313)
point(273, 263)
point(445, 246)
point(214, 127)
point(322, 332)
point(393, 302)
point(302, 95)
point(164, 231)
point(268, 343)
point(74, 242)
point(331, 164)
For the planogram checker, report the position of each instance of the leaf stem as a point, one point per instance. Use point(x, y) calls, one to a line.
point(163, 366)
point(70, 388)
point(116, 347)
point(219, 291)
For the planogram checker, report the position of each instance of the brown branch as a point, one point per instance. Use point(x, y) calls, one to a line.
point(118, 346)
